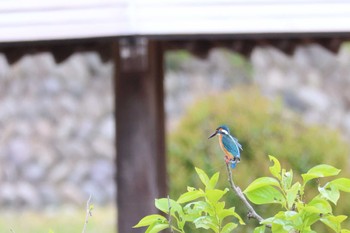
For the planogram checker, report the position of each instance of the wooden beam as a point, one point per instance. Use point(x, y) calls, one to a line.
point(141, 172)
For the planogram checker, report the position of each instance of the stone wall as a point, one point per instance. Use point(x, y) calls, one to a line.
point(57, 131)
point(313, 82)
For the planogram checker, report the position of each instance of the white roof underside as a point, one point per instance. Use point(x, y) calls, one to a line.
point(23, 20)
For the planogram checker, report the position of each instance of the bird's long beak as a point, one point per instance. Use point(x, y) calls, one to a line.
point(215, 133)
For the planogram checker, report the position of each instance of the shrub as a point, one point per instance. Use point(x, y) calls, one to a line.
point(203, 208)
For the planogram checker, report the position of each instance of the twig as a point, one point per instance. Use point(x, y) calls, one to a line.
point(251, 212)
point(169, 216)
point(88, 213)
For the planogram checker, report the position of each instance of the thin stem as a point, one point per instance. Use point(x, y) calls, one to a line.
point(252, 213)
point(88, 213)
point(169, 216)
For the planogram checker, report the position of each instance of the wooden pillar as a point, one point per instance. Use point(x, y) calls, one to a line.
point(141, 171)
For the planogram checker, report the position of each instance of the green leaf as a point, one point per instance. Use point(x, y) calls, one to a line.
point(260, 182)
point(260, 229)
point(206, 222)
point(203, 176)
point(51, 231)
point(343, 184)
point(215, 195)
point(287, 178)
point(265, 195)
point(345, 231)
point(229, 227)
point(308, 230)
point(162, 204)
point(322, 170)
point(321, 205)
point(230, 212)
point(157, 227)
point(194, 210)
point(190, 189)
point(334, 221)
point(150, 219)
point(330, 193)
point(292, 194)
point(218, 206)
point(213, 180)
point(190, 196)
point(275, 169)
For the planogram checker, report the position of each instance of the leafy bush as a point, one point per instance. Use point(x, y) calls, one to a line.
point(297, 213)
point(199, 207)
point(203, 208)
point(262, 127)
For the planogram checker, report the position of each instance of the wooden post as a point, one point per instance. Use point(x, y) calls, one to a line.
point(141, 171)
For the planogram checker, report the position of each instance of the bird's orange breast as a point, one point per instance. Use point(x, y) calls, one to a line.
point(227, 153)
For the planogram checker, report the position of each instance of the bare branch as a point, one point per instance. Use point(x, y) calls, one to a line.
point(88, 213)
point(251, 212)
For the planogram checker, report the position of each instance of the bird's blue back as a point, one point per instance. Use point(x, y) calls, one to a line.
point(231, 144)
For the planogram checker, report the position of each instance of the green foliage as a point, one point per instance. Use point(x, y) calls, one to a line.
point(201, 208)
point(296, 214)
point(262, 127)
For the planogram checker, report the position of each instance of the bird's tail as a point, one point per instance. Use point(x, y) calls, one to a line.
point(233, 164)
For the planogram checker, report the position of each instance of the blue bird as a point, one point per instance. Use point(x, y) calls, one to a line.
point(229, 145)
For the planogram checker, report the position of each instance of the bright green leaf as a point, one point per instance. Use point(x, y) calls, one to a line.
point(190, 196)
point(321, 205)
point(339, 218)
point(279, 226)
point(260, 229)
point(322, 170)
point(229, 227)
point(194, 210)
point(308, 230)
point(275, 169)
point(203, 176)
point(190, 189)
point(292, 194)
point(214, 180)
point(162, 204)
point(343, 184)
point(334, 221)
point(287, 178)
point(268, 220)
point(265, 195)
point(218, 206)
point(260, 182)
point(150, 219)
point(345, 231)
point(230, 212)
point(206, 222)
point(240, 220)
point(330, 193)
point(155, 228)
point(215, 195)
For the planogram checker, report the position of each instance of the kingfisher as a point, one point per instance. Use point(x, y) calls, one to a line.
point(229, 145)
